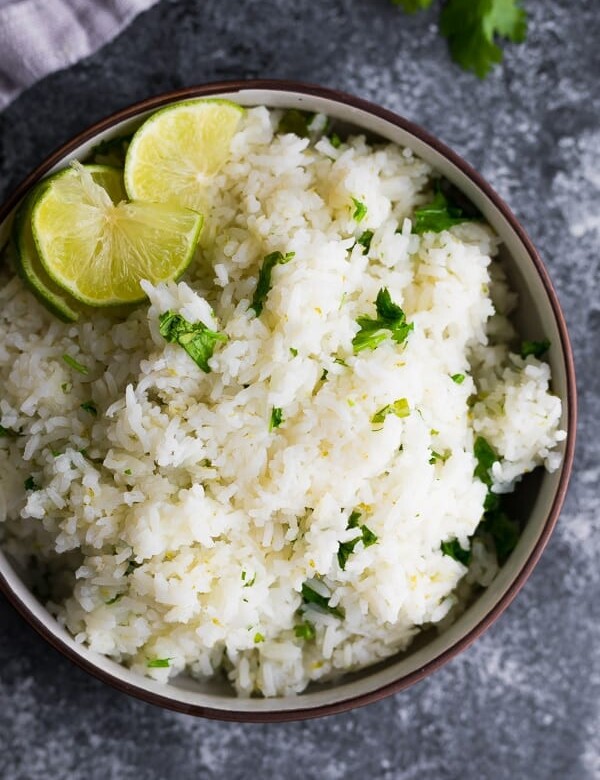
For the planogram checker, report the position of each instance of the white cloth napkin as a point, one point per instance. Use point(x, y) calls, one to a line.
point(38, 37)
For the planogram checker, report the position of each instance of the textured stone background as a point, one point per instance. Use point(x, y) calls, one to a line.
point(524, 702)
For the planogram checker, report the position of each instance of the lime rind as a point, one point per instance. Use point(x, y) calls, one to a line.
point(29, 266)
point(98, 248)
point(177, 151)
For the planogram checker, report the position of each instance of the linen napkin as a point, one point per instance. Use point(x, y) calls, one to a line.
point(38, 37)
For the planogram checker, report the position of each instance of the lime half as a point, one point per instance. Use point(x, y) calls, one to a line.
point(98, 247)
point(176, 152)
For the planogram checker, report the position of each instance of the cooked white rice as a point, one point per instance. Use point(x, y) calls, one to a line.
point(189, 525)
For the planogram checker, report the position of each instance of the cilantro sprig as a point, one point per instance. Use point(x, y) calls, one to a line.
point(390, 320)
point(440, 214)
point(264, 278)
point(311, 597)
point(474, 27)
point(197, 340)
point(366, 536)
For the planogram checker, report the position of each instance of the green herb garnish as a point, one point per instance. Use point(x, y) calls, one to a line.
point(30, 484)
point(295, 121)
point(159, 663)
point(365, 240)
point(258, 638)
point(486, 457)
point(504, 532)
point(114, 600)
point(400, 408)
point(305, 630)
point(335, 140)
point(72, 363)
point(276, 418)
point(66, 387)
point(454, 550)
point(127, 472)
point(293, 352)
point(360, 210)
point(310, 596)
point(438, 215)
point(535, 348)
point(367, 537)
point(458, 378)
point(131, 567)
point(89, 406)
point(324, 375)
point(472, 26)
point(264, 278)
point(195, 338)
point(390, 320)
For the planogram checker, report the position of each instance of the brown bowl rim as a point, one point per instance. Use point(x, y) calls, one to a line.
point(388, 689)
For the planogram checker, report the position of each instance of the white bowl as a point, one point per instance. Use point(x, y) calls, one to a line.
point(541, 499)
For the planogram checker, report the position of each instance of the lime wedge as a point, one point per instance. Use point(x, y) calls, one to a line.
point(176, 152)
point(27, 260)
point(98, 247)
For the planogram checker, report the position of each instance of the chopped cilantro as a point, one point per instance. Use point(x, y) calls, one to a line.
point(294, 352)
point(305, 630)
point(486, 457)
point(55, 453)
point(258, 638)
point(195, 338)
point(454, 550)
point(324, 375)
point(471, 27)
point(535, 348)
point(131, 567)
point(72, 363)
point(504, 532)
point(249, 583)
point(264, 278)
point(435, 456)
point(340, 362)
point(295, 121)
point(30, 484)
point(360, 210)
point(88, 406)
point(440, 214)
point(127, 472)
point(276, 418)
point(159, 663)
point(365, 240)
point(114, 600)
point(335, 140)
point(66, 387)
point(458, 378)
point(390, 317)
point(367, 537)
point(400, 408)
point(310, 596)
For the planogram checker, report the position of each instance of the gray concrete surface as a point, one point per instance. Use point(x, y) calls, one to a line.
point(524, 701)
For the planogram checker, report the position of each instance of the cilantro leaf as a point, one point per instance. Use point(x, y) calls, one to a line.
point(454, 550)
point(295, 121)
point(504, 532)
point(114, 599)
point(335, 140)
point(412, 6)
point(258, 637)
point(440, 214)
point(486, 457)
point(72, 363)
point(197, 340)
point(367, 537)
point(471, 27)
point(30, 484)
point(535, 348)
point(264, 278)
point(400, 408)
point(390, 317)
point(276, 418)
point(305, 630)
point(159, 663)
point(310, 596)
point(365, 240)
point(89, 406)
point(458, 378)
point(360, 210)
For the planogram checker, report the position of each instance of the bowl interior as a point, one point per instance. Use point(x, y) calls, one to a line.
point(534, 501)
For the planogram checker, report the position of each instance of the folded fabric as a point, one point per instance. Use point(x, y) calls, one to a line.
point(38, 37)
